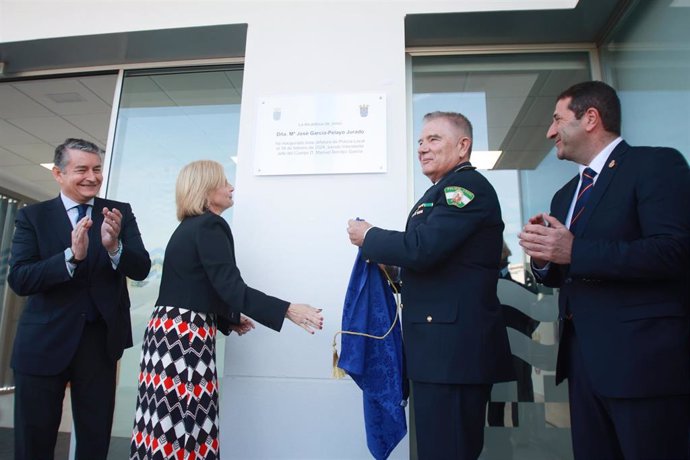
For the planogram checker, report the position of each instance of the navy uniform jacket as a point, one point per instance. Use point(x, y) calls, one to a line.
point(51, 324)
point(627, 283)
point(452, 322)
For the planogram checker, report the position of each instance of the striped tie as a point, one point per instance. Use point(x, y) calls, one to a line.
point(582, 195)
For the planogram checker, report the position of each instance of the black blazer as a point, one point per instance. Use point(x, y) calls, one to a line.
point(627, 283)
point(200, 274)
point(453, 327)
point(50, 326)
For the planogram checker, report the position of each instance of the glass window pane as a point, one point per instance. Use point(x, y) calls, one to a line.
point(11, 305)
point(165, 120)
point(647, 60)
point(509, 99)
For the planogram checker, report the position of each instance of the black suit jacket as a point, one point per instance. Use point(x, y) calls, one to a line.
point(453, 327)
point(627, 283)
point(200, 273)
point(50, 326)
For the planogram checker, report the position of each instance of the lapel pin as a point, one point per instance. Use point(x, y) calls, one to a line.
point(612, 164)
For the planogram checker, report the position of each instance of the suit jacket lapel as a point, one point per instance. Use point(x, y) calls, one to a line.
point(562, 205)
point(601, 185)
point(63, 226)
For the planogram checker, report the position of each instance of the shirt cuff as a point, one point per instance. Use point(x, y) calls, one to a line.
point(115, 256)
point(540, 273)
point(70, 267)
point(365, 233)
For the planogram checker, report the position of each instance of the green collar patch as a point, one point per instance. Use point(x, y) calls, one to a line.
point(458, 196)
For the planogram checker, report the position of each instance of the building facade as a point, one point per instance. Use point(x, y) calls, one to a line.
point(163, 83)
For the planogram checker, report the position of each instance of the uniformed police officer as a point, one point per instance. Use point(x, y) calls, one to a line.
point(456, 343)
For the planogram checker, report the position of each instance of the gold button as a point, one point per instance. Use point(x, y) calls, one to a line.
point(429, 318)
point(401, 305)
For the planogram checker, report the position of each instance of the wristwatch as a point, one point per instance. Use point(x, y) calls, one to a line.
point(69, 257)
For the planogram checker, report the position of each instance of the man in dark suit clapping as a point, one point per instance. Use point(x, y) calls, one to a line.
point(71, 256)
point(617, 244)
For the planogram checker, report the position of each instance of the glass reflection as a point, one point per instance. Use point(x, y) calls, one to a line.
point(165, 120)
point(509, 99)
point(646, 60)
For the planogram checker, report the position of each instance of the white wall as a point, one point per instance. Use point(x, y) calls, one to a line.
point(291, 230)
point(279, 401)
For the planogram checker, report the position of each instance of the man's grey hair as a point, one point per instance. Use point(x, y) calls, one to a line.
point(458, 120)
point(60, 159)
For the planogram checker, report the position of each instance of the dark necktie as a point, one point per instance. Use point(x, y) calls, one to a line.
point(81, 211)
point(92, 313)
point(582, 196)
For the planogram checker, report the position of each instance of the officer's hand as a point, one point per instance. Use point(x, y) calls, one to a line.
point(356, 230)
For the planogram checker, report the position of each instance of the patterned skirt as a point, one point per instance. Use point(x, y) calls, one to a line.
point(177, 401)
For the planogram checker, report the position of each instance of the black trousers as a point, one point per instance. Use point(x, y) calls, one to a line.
point(38, 402)
point(449, 420)
point(617, 428)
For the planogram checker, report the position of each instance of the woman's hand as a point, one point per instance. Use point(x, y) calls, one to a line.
point(305, 316)
point(245, 326)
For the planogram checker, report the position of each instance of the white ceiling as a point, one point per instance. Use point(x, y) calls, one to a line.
point(38, 115)
point(520, 96)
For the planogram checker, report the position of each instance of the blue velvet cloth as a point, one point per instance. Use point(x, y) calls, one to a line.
point(375, 365)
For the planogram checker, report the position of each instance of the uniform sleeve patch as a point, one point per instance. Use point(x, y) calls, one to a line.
point(458, 196)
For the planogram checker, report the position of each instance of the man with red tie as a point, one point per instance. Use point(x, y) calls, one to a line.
point(617, 244)
point(71, 256)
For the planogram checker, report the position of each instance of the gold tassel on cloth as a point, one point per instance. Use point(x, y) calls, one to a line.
point(339, 373)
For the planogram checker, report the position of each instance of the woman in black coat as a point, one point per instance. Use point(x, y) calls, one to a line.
point(201, 292)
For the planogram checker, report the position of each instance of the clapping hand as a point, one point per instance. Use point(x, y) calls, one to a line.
point(80, 238)
point(546, 239)
point(110, 229)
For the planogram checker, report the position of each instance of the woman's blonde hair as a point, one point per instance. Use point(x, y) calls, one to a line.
point(194, 184)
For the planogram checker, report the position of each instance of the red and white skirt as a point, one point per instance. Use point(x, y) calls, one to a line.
point(177, 401)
